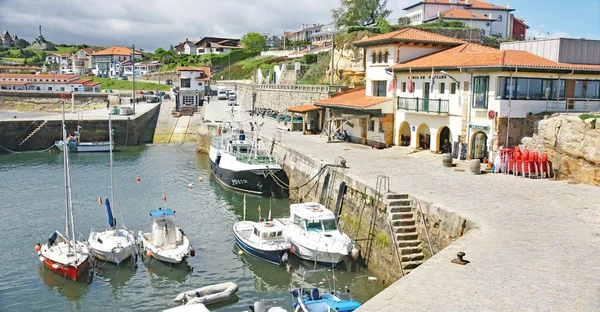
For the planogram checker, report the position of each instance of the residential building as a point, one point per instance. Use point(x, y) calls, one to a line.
point(194, 84)
point(325, 35)
point(108, 61)
point(61, 83)
point(447, 89)
point(305, 33)
point(492, 19)
point(214, 45)
point(60, 62)
point(140, 68)
point(82, 61)
point(6, 40)
point(7, 69)
point(186, 47)
point(519, 28)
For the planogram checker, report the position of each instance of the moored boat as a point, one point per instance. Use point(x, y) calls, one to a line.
point(242, 163)
point(208, 294)
point(74, 144)
point(263, 240)
point(313, 233)
point(166, 242)
point(314, 301)
point(62, 254)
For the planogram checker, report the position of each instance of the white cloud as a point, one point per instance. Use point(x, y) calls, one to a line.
point(158, 23)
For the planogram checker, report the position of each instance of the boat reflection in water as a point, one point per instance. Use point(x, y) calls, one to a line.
point(73, 290)
point(179, 272)
point(267, 277)
point(115, 275)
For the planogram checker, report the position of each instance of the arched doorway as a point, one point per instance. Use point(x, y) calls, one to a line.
point(423, 137)
point(443, 135)
point(404, 134)
point(479, 145)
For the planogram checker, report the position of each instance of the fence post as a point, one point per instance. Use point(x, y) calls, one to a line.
point(439, 106)
point(417, 106)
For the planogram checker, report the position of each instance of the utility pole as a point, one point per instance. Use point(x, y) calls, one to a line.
point(133, 76)
point(332, 53)
point(229, 58)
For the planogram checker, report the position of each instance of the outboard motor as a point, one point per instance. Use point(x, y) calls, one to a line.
point(52, 239)
point(258, 306)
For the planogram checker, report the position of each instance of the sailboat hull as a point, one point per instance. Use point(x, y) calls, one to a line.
point(70, 271)
point(63, 260)
point(113, 246)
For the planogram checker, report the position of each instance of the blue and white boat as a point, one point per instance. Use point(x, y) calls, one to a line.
point(166, 242)
point(263, 240)
point(315, 301)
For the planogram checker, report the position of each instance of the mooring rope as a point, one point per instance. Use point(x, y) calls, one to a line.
point(25, 152)
point(287, 187)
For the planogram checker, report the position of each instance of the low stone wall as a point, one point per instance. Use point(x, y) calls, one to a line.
point(572, 144)
point(127, 132)
point(279, 97)
point(205, 133)
point(8, 98)
point(162, 76)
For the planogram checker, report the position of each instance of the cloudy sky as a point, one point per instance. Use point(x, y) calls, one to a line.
point(158, 23)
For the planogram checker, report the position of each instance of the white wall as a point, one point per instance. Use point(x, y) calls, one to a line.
point(415, 14)
point(376, 71)
point(408, 53)
point(194, 84)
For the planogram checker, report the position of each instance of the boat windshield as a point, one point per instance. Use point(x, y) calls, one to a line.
point(325, 225)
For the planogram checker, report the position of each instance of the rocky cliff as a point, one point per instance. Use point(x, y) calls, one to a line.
point(572, 144)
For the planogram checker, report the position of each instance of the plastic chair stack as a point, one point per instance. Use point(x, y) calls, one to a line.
point(544, 165)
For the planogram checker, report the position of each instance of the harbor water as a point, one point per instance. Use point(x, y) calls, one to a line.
point(32, 206)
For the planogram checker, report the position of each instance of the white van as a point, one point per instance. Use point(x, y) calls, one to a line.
point(222, 94)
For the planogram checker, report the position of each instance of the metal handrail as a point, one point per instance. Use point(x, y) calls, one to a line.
point(438, 106)
point(562, 105)
point(425, 226)
point(395, 247)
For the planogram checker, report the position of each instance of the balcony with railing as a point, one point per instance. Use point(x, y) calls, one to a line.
point(424, 105)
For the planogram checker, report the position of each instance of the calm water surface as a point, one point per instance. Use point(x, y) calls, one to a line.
point(32, 206)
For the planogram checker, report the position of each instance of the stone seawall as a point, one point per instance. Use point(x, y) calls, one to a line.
point(127, 132)
point(8, 98)
point(360, 205)
point(162, 76)
point(279, 99)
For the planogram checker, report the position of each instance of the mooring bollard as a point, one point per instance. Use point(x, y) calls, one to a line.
point(459, 259)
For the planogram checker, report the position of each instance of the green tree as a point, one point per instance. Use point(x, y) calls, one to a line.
point(384, 26)
point(171, 48)
point(20, 43)
point(253, 42)
point(404, 20)
point(360, 12)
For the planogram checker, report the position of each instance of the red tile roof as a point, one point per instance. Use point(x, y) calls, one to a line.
point(303, 108)
point(474, 55)
point(464, 15)
point(13, 83)
point(23, 68)
point(81, 80)
point(471, 4)
point(116, 51)
point(353, 99)
point(194, 68)
point(33, 76)
point(91, 84)
point(408, 35)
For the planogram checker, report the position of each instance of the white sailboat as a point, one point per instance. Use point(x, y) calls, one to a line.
point(62, 254)
point(113, 245)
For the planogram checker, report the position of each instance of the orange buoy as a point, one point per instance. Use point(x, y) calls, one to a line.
point(38, 247)
point(138, 179)
point(149, 253)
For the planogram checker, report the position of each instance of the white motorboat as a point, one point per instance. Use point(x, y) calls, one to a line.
point(166, 242)
point(74, 144)
point(62, 254)
point(208, 294)
point(113, 245)
point(263, 240)
point(313, 232)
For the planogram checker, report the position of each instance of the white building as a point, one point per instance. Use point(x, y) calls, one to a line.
point(61, 83)
point(82, 61)
point(108, 61)
point(492, 19)
point(445, 88)
point(60, 62)
point(140, 68)
point(193, 82)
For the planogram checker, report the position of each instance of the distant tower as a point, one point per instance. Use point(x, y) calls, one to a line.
point(40, 30)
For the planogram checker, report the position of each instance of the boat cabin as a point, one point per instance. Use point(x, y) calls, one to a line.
point(267, 230)
point(165, 233)
point(313, 217)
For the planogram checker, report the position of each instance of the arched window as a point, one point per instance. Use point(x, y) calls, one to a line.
point(385, 57)
point(380, 57)
point(374, 58)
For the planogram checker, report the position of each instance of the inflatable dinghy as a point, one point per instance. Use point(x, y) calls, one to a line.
point(208, 294)
point(188, 308)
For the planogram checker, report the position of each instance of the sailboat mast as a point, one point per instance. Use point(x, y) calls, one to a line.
point(110, 148)
point(65, 152)
point(70, 205)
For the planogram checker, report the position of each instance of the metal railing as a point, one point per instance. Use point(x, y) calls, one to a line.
point(435, 106)
point(261, 157)
point(573, 105)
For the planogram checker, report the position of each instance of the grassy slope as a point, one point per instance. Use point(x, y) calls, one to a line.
point(114, 84)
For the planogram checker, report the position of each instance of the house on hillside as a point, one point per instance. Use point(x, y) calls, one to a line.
point(441, 88)
point(325, 35)
point(6, 40)
point(60, 62)
point(305, 32)
point(186, 47)
point(108, 61)
point(82, 61)
point(492, 19)
point(140, 68)
point(214, 45)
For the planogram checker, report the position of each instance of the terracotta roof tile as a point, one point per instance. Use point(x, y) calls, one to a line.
point(194, 68)
point(303, 108)
point(409, 35)
point(34, 76)
point(474, 55)
point(353, 99)
point(23, 68)
point(81, 80)
point(91, 83)
point(14, 83)
point(115, 50)
point(464, 15)
point(476, 4)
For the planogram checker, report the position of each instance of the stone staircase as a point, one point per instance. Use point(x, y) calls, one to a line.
point(38, 128)
point(404, 226)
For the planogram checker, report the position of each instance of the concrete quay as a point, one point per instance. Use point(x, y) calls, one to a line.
point(536, 246)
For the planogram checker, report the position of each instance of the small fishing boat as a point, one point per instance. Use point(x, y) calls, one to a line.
point(314, 300)
point(62, 254)
point(313, 233)
point(166, 242)
point(74, 144)
point(208, 294)
point(263, 240)
point(113, 245)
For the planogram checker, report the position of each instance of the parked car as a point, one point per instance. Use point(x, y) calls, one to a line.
point(124, 78)
point(232, 102)
point(153, 99)
point(232, 95)
point(169, 82)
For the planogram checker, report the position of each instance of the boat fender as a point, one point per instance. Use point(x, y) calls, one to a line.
point(149, 253)
point(38, 247)
point(292, 250)
point(193, 252)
